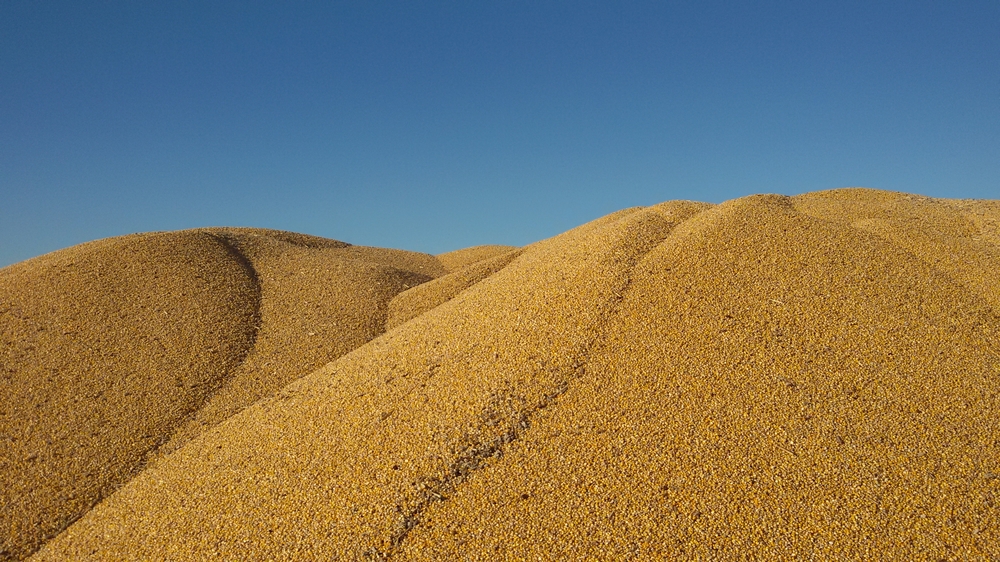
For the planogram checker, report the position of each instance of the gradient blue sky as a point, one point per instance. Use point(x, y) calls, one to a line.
point(435, 126)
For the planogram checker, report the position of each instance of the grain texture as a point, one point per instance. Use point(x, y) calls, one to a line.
point(118, 351)
point(773, 377)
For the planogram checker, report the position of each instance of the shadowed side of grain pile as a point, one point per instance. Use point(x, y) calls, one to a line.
point(764, 378)
point(107, 346)
point(113, 347)
point(319, 299)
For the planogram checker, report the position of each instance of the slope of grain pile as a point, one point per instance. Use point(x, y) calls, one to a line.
point(458, 259)
point(319, 299)
point(418, 300)
point(772, 377)
point(963, 245)
point(112, 348)
point(773, 385)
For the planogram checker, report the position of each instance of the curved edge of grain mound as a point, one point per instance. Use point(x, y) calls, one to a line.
point(107, 347)
point(320, 299)
point(124, 348)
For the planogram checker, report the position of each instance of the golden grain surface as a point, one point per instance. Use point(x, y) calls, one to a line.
point(831, 398)
point(769, 378)
point(319, 299)
point(413, 302)
point(458, 259)
point(124, 348)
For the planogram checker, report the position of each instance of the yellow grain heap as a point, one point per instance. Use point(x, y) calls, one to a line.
point(119, 350)
point(773, 377)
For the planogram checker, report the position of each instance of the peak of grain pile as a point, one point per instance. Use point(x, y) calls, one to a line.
point(772, 377)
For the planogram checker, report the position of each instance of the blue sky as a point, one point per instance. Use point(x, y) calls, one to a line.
point(440, 125)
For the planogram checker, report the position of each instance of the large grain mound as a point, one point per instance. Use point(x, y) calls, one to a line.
point(124, 348)
point(773, 377)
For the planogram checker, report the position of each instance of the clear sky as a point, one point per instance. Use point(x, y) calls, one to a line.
point(432, 126)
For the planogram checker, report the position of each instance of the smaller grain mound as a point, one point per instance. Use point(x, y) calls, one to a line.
point(418, 300)
point(319, 300)
point(403, 260)
point(984, 214)
point(119, 351)
point(679, 211)
point(105, 347)
point(458, 259)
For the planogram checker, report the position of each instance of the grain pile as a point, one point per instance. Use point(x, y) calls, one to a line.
point(319, 299)
point(413, 302)
point(124, 348)
point(772, 377)
point(458, 259)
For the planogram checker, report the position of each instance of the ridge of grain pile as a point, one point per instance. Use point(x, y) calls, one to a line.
point(126, 347)
point(413, 302)
point(320, 299)
point(771, 377)
point(458, 259)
